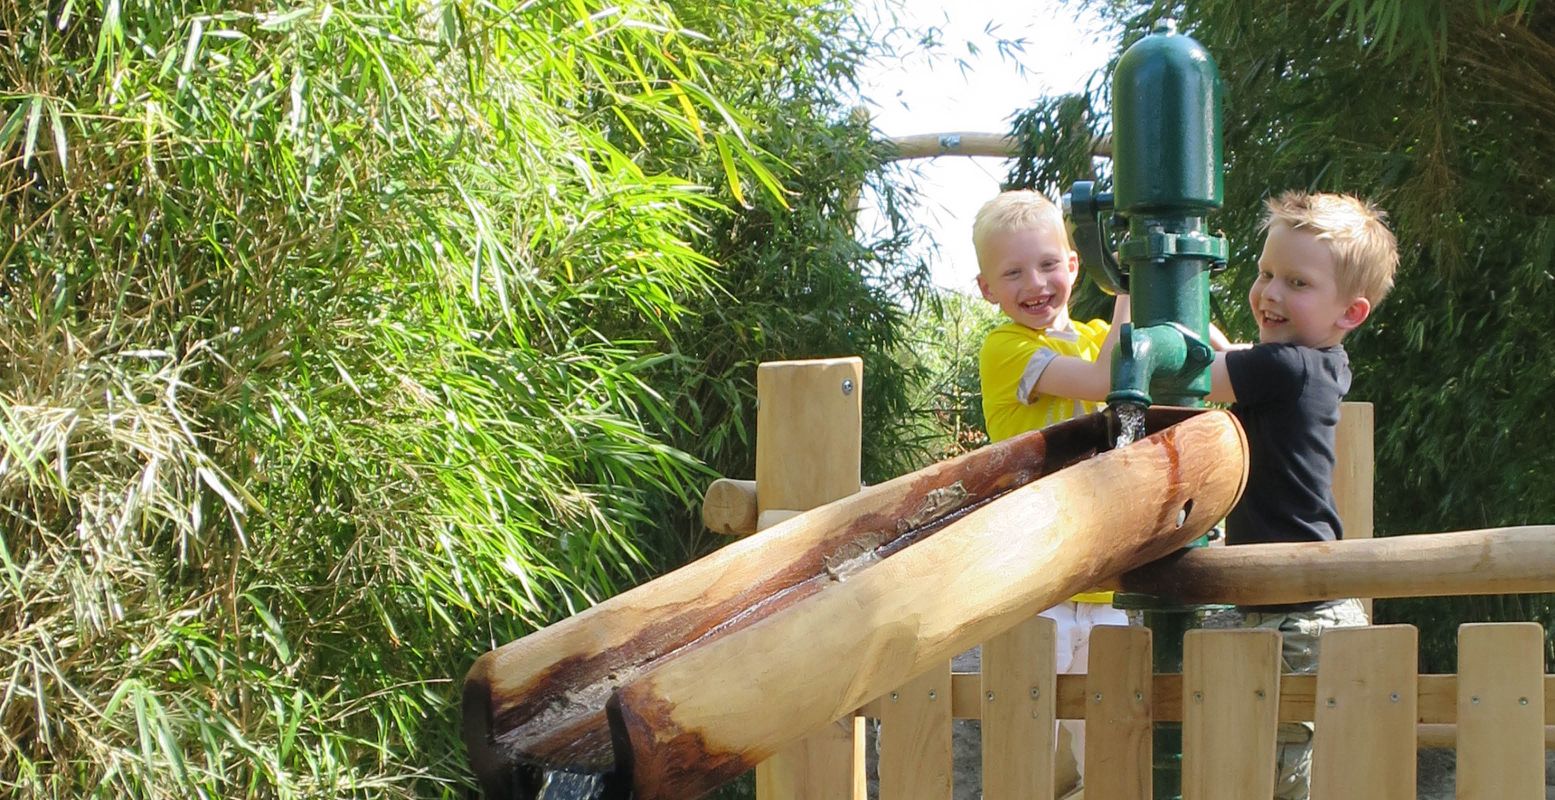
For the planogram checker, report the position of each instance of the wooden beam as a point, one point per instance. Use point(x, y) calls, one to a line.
point(1438, 698)
point(539, 701)
point(970, 143)
point(729, 507)
point(1492, 561)
point(689, 724)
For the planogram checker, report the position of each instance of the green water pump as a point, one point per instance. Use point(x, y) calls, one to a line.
point(1167, 176)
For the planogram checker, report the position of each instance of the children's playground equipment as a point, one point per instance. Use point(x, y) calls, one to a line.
point(772, 651)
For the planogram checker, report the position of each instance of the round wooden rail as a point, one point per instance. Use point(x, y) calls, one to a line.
point(1516, 560)
point(729, 507)
point(971, 143)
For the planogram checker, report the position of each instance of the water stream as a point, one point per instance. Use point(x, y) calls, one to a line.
point(563, 785)
point(1130, 423)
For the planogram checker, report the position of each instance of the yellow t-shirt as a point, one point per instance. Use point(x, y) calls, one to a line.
point(1012, 359)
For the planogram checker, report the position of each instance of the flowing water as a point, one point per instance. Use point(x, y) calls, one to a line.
point(563, 785)
point(1130, 419)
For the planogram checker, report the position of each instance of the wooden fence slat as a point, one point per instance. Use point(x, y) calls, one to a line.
point(1366, 703)
point(915, 738)
point(1019, 692)
point(808, 439)
point(1117, 714)
point(1501, 711)
point(1231, 686)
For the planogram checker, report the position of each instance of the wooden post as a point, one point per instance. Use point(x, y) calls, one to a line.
point(915, 748)
point(809, 434)
point(1354, 468)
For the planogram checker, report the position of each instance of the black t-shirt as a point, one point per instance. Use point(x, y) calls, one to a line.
point(1287, 399)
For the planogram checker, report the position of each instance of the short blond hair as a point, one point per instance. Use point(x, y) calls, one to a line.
point(1015, 210)
point(1356, 231)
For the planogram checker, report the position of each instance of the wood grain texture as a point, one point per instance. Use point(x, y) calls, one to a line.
point(1364, 745)
point(1231, 688)
point(1118, 720)
point(1016, 700)
point(1501, 711)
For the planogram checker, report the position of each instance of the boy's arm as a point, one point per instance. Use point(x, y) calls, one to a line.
point(1076, 378)
point(1220, 343)
point(1220, 380)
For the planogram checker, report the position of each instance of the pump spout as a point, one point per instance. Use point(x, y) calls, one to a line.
point(1166, 354)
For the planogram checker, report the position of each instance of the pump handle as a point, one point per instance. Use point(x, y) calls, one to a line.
point(1086, 209)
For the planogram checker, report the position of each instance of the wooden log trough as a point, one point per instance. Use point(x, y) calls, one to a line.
point(712, 668)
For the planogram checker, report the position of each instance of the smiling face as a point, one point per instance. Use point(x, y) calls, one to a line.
point(1029, 273)
point(1297, 298)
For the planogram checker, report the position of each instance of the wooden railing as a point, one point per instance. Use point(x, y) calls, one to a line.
point(1370, 708)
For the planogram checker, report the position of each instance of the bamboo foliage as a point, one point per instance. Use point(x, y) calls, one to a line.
point(327, 334)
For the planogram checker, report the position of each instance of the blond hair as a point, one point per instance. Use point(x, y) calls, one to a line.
point(1365, 251)
point(1015, 210)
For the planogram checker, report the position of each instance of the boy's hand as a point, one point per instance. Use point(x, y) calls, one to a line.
point(1220, 344)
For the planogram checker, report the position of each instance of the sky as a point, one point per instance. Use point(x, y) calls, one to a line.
point(918, 93)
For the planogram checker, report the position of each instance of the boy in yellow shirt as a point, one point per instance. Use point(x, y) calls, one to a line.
point(1041, 367)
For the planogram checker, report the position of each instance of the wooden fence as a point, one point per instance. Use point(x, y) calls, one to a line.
point(1370, 708)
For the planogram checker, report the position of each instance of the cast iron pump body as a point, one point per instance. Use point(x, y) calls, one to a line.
point(1167, 176)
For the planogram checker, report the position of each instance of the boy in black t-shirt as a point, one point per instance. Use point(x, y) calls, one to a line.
point(1327, 261)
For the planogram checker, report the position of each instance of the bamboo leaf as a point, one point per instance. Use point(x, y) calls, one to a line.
point(731, 172)
point(57, 124)
point(110, 35)
point(12, 125)
point(30, 141)
point(191, 51)
point(689, 110)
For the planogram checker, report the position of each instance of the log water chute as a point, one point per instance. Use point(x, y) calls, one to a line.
point(715, 666)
